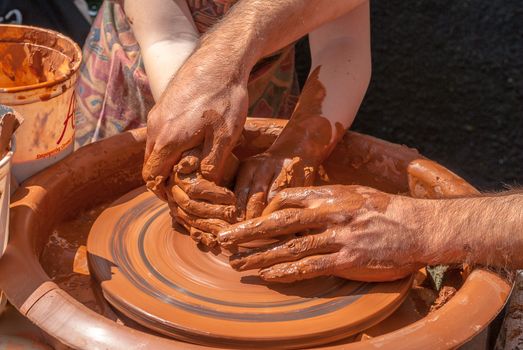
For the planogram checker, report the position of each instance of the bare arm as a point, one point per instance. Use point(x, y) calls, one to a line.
point(342, 49)
point(257, 28)
point(167, 37)
point(486, 230)
point(363, 234)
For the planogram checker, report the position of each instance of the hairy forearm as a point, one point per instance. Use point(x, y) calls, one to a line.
point(486, 230)
point(256, 28)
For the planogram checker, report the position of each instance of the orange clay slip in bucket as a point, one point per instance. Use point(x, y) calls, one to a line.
point(38, 73)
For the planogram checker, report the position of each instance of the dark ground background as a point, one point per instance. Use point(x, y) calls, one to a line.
point(448, 80)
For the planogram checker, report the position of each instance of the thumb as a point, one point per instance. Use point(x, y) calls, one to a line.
point(157, 168)
point(217, 153)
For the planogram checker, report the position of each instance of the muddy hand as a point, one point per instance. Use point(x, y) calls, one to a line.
point(305, 142)
point(203, 105)
point(261, 177)
point(199, 205)
point(353, 232)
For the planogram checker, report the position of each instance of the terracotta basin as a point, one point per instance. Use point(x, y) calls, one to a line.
point(106, 170)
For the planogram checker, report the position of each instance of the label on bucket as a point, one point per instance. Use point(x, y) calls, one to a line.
point(67, 130)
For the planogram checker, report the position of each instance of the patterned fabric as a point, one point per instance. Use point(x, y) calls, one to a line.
point(113, 91)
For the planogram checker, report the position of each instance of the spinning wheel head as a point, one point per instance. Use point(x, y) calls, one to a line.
point(157, 276)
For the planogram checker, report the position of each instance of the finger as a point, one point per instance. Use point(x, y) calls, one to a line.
point(177, 219)
point(149, 145)
point(241, 190)
point(203, 209)
point(286, 175)
point(255, 205)
point(277, 185)
point(291, 250)
point(280, 223)
point(209, 240)
point(189, 163)
point(217, 147)
point(257, 199)
point(197, 188)
point(306, 268)
point(195, 234)
point(299, 197)
point(206, 225)
point(204, 238)
point(157, 169)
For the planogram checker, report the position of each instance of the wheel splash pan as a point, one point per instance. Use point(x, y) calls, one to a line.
point(105, 170)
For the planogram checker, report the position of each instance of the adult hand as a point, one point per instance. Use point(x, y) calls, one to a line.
point(353, 232)
point(204, 105)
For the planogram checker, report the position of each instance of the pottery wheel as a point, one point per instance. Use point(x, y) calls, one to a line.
point(157, 276)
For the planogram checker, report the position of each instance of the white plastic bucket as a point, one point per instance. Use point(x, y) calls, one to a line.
point(5, 194)
point(38, 73)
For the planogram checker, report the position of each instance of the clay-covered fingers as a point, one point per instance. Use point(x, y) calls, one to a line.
point(213, 226)
point(257, 198)
point(199, 236)
point(155, 175)
point(291, 250)
point(306, 268)
point(242, 187)
point(298, 197)
point(200, 230)
point(158, 167)
point(189, 163)
point(203, 209)
point(279, 223)
point(160, 162)
point(202, 237)
point(198, 188)
point(294, 173)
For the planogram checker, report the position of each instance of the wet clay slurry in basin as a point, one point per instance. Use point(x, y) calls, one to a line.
point(32, 57)
point(24, 64)
point(158, 277)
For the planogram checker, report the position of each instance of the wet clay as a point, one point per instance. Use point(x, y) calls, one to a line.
point(65, 259)
point(195, 295)
point(112, 167)
point(25, 64)
point(9, 122)
point(428, 179)
point(34, 57)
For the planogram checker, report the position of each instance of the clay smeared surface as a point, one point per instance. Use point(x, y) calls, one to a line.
point(63, 258)
point(161, 279)
point(30, 56)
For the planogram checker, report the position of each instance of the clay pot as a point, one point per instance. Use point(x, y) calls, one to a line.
point(108, 169)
